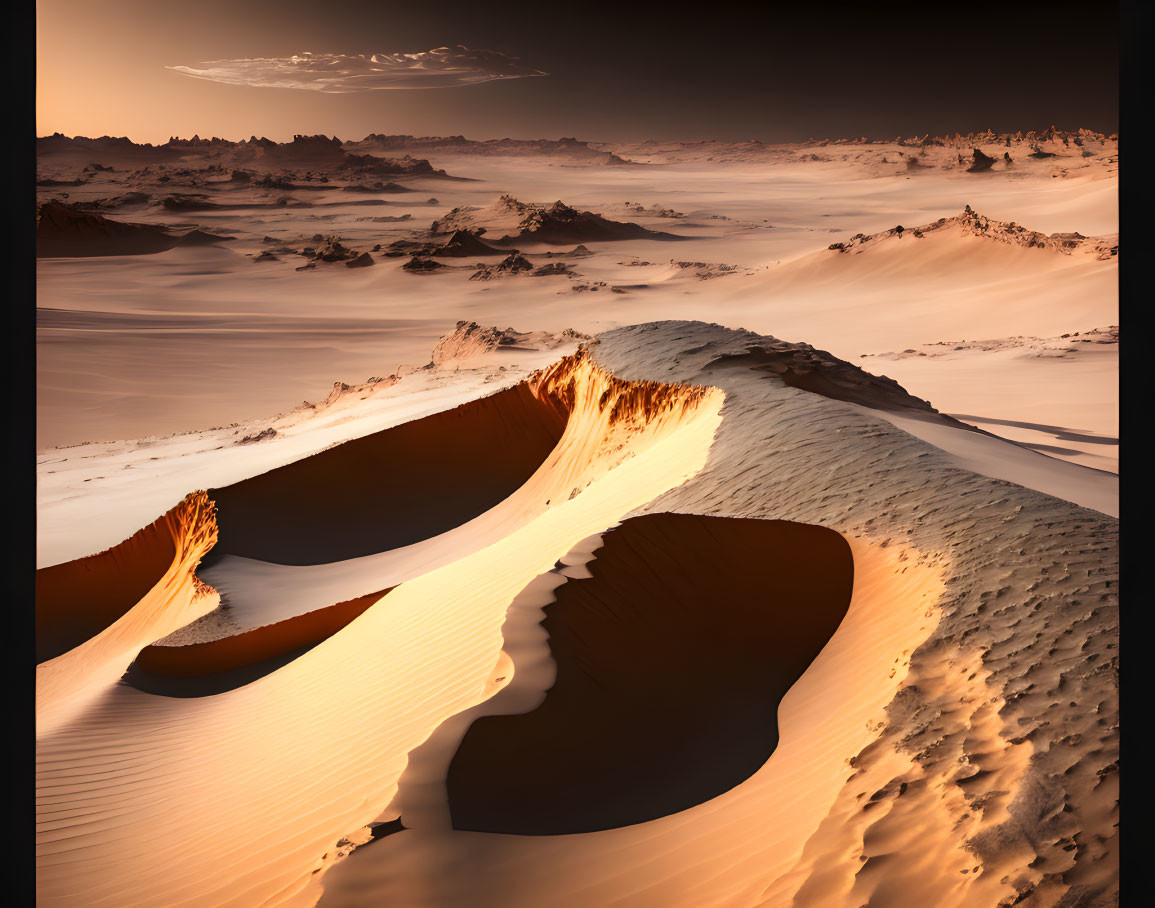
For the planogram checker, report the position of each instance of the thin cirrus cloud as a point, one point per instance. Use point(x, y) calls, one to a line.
point(443, 67)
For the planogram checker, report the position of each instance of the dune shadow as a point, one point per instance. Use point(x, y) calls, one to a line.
point(213, 667)
point(77, 600)
point(392, 488)
point(208, 685)
point(671, 662)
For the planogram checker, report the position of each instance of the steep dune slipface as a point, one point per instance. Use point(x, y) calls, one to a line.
point(266, 784)
point(719, 852)
point(606, 421)
point(79, 599)
point(962, 717)
point(392, 488)
point(955, 743)
point(213, 666)
point(97, 612)
point(671, 660)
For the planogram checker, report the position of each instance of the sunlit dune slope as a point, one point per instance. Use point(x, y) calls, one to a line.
point(961, 716)
point(947, 279)
point(956, 736)
point(606, 422)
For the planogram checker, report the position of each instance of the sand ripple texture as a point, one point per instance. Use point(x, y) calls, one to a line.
point(946, 734)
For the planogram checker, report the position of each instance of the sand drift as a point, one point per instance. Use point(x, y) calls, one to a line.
point(687, 613)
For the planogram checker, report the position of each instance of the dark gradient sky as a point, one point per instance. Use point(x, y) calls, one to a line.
point(775, 72)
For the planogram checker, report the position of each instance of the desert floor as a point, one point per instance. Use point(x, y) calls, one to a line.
point(771, 563)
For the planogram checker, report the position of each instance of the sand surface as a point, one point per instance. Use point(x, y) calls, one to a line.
point(539, 593)
point(193, 337)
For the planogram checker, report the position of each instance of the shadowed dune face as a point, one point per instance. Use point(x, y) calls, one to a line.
point(77, 600)
point(94, 614)
point(392, 488)
point(671, 662)
point(203, 669)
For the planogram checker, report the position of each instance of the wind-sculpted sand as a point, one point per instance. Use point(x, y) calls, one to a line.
point(619, 607)
point(392, 488)
point(92, 625)
point(646, 649)
point(715, 633)
point(176, 669)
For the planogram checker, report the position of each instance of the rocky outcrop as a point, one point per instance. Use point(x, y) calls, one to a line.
point(62, 230)
point(972, 223)
point(461, 244)
point(419, 265)
point(980, 162)
point(470, 339)
point(512, 264)
point(556, 224)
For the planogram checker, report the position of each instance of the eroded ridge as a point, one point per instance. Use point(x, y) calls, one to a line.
point(579, 387)
point(391, 488)
point(970, 223)
point(107, 609)
point(671, 662)
point(79, 599)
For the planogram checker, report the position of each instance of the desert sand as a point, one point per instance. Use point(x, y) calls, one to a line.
point(240, 333)
point(553, 523)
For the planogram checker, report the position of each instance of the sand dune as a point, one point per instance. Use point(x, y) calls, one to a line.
point(902, 758)
point(214, 666)
point(71, 680)
point(683, 616)
point(748, 221)
point(79, 599)
point(944, 282)
point(680, 614)
point(716, 852)
point(361, 736)
point(321, 509)
point(927, 728)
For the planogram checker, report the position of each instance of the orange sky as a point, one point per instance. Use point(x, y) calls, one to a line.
point(100, 71)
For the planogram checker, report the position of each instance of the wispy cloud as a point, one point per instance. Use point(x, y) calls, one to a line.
point(443, 67)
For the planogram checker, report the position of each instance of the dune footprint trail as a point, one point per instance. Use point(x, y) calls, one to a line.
point(264, 781)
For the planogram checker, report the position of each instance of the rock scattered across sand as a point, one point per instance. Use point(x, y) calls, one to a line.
point(556, 224)
point(470, 339)
point(970, 222)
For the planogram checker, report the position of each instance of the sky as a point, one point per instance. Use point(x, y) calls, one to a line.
point(616, 72)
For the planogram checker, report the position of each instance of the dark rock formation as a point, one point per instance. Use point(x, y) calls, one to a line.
point(981, 162)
